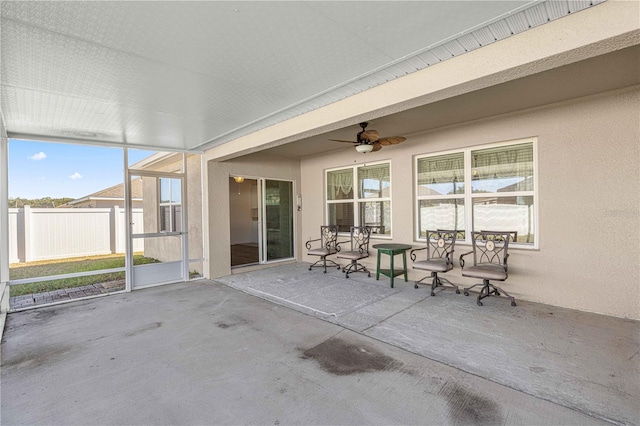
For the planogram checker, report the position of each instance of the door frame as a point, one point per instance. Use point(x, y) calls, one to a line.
point(262, 203)
point(183, 234)
point(262, 206)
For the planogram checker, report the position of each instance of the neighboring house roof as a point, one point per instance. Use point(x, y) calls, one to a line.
point(114, 193)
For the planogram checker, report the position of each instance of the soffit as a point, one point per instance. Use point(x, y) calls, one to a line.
point(192, 75)
point(612, 71)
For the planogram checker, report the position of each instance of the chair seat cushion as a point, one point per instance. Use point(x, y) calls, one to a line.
point(353, 255)
point(320, 252)
point(433, 265)
point(487, 271)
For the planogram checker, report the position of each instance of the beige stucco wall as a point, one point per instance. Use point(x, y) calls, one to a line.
point(589, 199)
point(259, 165)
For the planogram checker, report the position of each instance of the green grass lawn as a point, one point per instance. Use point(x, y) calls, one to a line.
point(69, 266)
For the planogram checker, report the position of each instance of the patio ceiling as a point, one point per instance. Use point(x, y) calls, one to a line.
point(193, 75)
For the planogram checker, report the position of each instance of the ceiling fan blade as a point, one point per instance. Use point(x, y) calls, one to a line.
point(338, 140)
point(393, 140)
point(370, 135)
point(377, 147)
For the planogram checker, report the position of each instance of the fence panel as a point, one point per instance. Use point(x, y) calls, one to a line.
point(58, 234)
point(43, 234)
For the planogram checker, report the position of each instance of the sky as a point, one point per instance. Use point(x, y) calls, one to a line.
point(57, 170)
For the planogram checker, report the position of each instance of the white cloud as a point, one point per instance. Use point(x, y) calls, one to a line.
point(39, 156)
point(75, 176)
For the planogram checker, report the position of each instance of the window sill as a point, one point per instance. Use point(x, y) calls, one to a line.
point(381, 237)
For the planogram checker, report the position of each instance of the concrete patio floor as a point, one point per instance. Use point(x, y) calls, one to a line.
point(357, 352)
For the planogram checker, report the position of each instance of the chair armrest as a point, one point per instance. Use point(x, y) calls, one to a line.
point(461, 258)
point(449, 256)
point(308, 243)
point(412, 255)
point(362, 250)
point(341, 242)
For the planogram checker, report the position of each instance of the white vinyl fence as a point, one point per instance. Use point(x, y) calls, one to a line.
point(43, 234)
point(502, 217)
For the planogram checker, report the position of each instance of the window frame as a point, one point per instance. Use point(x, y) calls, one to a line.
point(356, 200)
point(174, 225)
point(469, 196)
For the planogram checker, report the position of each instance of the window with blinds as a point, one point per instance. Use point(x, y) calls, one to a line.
point(360, 196)
point(482, 189)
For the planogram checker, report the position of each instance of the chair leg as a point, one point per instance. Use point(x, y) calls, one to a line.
point(331, 261)
point(437, 282)
point(354, 266)
point(324, 261)
point(415, 283)
point(489, 289)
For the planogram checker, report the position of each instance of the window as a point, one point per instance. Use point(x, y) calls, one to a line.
point(488, 188)
point(170, 207)
point(441, 193)
point(360, 196)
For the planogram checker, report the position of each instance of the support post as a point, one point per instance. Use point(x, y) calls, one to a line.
point(4, 226)
point(116, 238)
point(26, 217)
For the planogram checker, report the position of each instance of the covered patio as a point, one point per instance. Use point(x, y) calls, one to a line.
point(285, 345)
point(264, 123)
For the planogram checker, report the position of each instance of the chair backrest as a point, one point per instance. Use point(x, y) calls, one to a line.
point(441, 243)
point(490, 247)
point(360, 238)
point(329, 236)
point(458, 233)
point(513, 234)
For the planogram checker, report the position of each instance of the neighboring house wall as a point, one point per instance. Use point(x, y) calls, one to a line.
point(588, 196)
point(260, 165)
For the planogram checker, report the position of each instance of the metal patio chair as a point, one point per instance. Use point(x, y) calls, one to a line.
point(359, 250)
point(440, 246)
point(490, 254)
point(327, 246)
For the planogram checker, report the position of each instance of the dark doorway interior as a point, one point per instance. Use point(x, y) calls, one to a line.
point(243, 206)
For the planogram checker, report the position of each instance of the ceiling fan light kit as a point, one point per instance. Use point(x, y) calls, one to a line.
point(364, 148)
point(370, 140)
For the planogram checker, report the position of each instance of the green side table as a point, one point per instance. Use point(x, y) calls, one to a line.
point(392, 250)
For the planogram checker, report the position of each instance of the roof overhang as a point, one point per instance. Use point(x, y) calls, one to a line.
point(611, 27)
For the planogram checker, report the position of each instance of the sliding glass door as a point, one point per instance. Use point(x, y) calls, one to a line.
point(261, 220)
point(278, 220)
